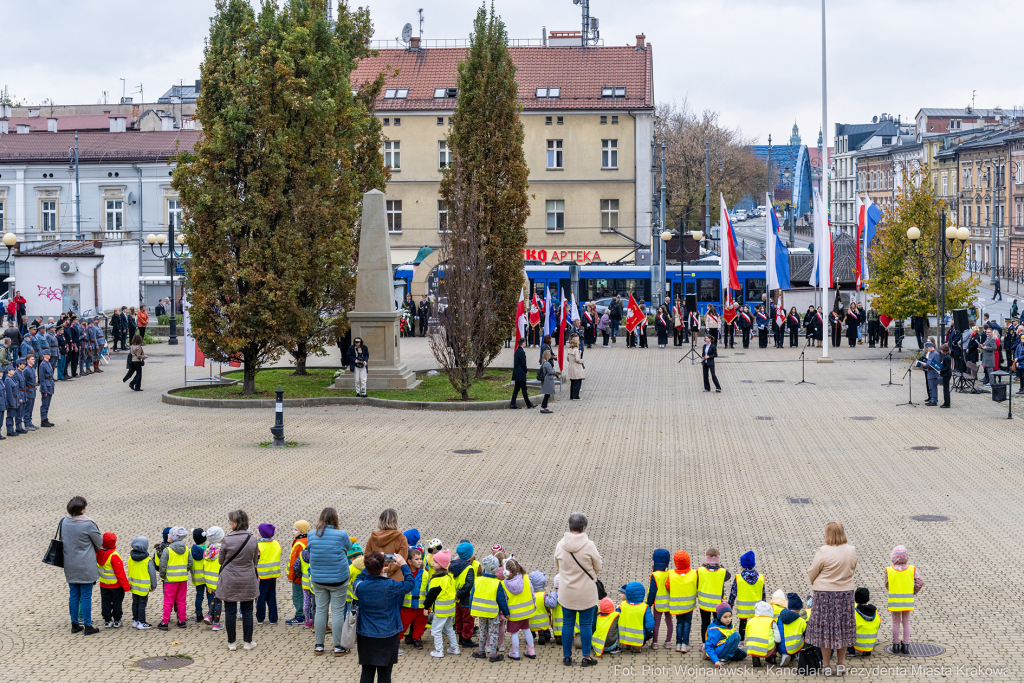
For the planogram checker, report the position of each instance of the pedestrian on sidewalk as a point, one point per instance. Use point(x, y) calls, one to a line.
point(577, 371)
point(358, 358)
point(379, 622)
point(142, 321)
point(946, 373)
point(238, 585)
point(547, 376)
point(136, 359)
point(82, 540)
point(707, 363)
point(832, 625)
point(519, 371)
point(998, 292)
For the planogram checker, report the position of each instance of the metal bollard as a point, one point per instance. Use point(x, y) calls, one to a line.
point(278, 429)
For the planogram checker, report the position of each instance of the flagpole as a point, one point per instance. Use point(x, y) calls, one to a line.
point(822, 276)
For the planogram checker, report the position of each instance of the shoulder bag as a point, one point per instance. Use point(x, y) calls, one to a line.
point(55, 553)
point(601, 592)
point(247, 537)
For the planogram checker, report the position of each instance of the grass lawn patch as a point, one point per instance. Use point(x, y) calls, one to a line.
point(434, 388)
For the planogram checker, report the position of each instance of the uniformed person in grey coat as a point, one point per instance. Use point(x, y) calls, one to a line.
point(100, 339)
point(51, 342)
point(31, 382)
point(19, 381)
point(10, 389)
point(3, 400)
point(46, 386)
point(85, 357)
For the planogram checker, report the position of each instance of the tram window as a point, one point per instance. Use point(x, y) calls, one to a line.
point(707, 290)
point(690, 288)
point(755, 287)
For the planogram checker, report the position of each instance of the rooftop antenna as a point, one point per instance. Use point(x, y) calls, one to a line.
point(973, 92)
point(421, 24)
point(124, 93)
point(589, 34)
point(330, 12)
point(406, 33)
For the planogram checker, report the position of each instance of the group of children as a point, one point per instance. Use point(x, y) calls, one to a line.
point(494, 597)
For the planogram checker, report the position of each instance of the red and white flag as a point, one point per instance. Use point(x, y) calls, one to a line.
point(534, 311)
point(561, 330)
point(520, 320)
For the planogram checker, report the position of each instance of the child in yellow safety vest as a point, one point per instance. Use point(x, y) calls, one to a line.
point(113, 581)
point(722, 644)
point(175, 566)
point(540, 619)
point(487, 603)
point(762, 634)
point(636, 623)
point(868, 624)
point(779, 602)
point(198, 573)
point(211, 569)
point(268, 569)
point(711, 580)
point(521, 604)
point(413, 620)
point(441, 600)
point(142, 579)
point(605, 638)
point(747, 590)
point(551, 602)
point(682, 598)
point(790, 626)
point(903, 583)
point(658, 596)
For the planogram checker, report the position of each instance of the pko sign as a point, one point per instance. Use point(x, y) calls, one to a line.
point(561, 256)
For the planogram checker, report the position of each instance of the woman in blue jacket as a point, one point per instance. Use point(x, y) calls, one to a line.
point(328, 575)
point(379, 623)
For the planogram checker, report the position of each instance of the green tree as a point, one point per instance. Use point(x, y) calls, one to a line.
point(486, 140)
point(903, 276)
point(270, 192)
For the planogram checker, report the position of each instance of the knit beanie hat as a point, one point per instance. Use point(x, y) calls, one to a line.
point(489, 564)
point(177, 533)
point(538, 579)
point(712, 559)
point(660, 558)
point(198, 536)
point(606, 606)
point(166, 531)
point(464, 550)
point(722, 609)
point(303, 526)
point(214, 534)
point(682, 561)
point(266, 530)
point(443, 558)
point(899, 557)
point(763, 609)
point(109, 540)
point(412, 536)
point(355, 551)
point(747, 560)
point(779, 597)
point(794, 602)
point(497, 548)
point(434, 545)
point(861, 595)
point(634, 591)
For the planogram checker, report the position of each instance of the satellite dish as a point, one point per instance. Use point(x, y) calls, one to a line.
point(406, 33)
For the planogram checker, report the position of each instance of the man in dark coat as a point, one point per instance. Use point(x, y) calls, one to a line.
point(116, 330)
point(424, 315)
point(918, 323)
point(519, 371)
point(707, 363)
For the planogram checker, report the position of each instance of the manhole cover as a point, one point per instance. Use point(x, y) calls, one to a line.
point(738, 354)
point(800, 501)
point(775, 381)
point(919, 650)
point(467, 451)
point(363, 488)
point(930, 518)
point(763, 417)
point(156, 663)
point(746, 381)
point(864, 418)
point(924, 448)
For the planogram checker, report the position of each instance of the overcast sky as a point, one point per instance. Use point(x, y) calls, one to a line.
point(757, 62)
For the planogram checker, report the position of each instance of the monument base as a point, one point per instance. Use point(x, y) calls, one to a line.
point(379, 332)
point(380, 379)
point(826, 359)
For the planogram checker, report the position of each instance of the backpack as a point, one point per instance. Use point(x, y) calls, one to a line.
point(809, 661)
point(540, 374)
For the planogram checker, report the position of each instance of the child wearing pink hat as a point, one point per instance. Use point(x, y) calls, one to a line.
point(441, 600)
point(903, 583)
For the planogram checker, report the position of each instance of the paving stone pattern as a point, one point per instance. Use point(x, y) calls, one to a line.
point(651, 460)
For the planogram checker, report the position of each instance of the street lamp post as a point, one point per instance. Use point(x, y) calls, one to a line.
point(707, 192)
point(944, 251)
point(170, 252)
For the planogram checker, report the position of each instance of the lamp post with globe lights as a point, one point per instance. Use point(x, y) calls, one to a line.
point(10, 239)
point(171, 252)
point(946, 250)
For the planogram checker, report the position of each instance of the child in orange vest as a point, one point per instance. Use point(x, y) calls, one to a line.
point(113, 581)
point(899, 607)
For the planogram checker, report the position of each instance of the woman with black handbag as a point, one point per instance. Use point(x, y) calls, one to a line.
point(81, 539)
point(577, 563)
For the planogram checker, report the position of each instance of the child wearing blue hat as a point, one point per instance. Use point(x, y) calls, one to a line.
point(658, 596)
point(723, 642)
point(464, 573)
point(636, 623)
point(747, 590)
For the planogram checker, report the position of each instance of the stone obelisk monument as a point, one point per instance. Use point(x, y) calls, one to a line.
point(374, 319)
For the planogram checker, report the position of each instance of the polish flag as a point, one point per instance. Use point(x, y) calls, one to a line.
point(520, 319)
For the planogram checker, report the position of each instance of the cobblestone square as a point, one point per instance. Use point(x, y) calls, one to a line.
point(650, 459)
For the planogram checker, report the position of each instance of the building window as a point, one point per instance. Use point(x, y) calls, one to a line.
point(446, 92)
point(967, 216)
point(615, 120)
point(440, 120)
point(4, 231)
point(952, 183)
point(954, 124)
point(613, 91)
point(547, 120)
point(988, 215)
point(451, 120)
point(609, 213)
point(442, 216)
point(549, 92)
point(444, 155)
point(1020, 216)
point(554, 154)
point(604, 120)
point(115, 214)
point(49, 216)
point(396, 93)
point(945, 186)
point(967, 178)
point(886, 141)
point(387, 122)
point(559, 120)
point(174, 214)
point(398, 121)
point(556, 215)
point(609, 153)
point(393, 154)
point(394, 208)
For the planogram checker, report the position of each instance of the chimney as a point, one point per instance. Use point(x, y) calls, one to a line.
point(414, 43)
point(51, 125)
point(33, 113)
point(117, 124)
point(641, 40)
point(4, 130)
point(24, 129)
point(544, 35)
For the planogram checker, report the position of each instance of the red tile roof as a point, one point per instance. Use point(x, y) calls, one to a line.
point(68, 122)
point(580, 73)
point(96, 147)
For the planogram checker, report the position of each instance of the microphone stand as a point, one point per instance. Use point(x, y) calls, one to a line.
point(803, 380)
point(910, 387)
point(692, 353)
point(890, 382)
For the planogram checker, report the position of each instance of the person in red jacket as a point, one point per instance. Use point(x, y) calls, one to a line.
point(113, 581)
